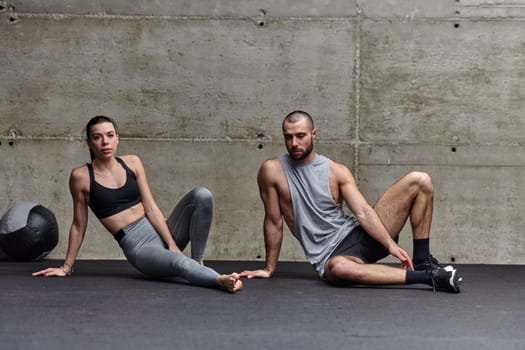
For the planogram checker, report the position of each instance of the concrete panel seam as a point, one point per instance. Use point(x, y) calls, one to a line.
point(14, 16)
point(441, 165)
point(493, 5)
point(14, 134)
point(357, 102)
point(267, 140)
point(61, 16)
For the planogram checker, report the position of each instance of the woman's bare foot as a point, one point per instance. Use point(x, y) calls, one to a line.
point(232, 282)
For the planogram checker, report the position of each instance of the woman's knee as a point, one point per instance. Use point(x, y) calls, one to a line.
point(202, 196)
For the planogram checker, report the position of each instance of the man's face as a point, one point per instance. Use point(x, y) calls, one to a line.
point(299, 139)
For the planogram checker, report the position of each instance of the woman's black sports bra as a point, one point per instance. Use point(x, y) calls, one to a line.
point(105, 201)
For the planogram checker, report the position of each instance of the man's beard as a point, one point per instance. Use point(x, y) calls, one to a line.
point(303, 155)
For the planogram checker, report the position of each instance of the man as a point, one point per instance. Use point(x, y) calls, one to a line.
point(307, 190)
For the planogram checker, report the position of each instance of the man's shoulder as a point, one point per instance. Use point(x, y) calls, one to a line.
point(271, 163)
point(271, 170)
point(337, 168)
point(340, 174)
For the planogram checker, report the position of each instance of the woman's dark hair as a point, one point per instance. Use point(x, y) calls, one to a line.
point(94, 121)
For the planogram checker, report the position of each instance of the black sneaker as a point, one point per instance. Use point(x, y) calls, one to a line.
point(446, 279)
point(430, 264)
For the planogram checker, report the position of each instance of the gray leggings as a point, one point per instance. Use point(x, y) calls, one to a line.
point(190, 221)
point(146, 251)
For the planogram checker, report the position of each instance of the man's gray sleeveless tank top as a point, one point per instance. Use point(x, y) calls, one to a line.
point(320, 224)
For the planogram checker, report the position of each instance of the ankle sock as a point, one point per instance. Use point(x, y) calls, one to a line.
point(413, 277)
point(421, 250)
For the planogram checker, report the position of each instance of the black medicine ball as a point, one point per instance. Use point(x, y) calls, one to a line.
point(28, 232)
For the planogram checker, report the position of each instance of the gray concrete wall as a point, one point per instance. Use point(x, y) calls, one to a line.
point(199, 90)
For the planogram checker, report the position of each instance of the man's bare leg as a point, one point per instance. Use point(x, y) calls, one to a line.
point(410, 197)
point(346, 269)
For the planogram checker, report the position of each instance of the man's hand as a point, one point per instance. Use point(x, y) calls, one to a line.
point(263, 273)
point(402, 255)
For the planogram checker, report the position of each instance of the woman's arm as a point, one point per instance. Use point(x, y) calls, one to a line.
point(79, 189)
point(151, 208)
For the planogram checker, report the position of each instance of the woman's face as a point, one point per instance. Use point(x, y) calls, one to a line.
point(103, 140)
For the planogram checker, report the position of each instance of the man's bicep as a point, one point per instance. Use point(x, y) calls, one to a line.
point(270, 197)
point(272, 210)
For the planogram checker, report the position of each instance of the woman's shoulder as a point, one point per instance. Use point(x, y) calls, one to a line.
point(130, 158)
point(81, 170)
point(79, 177)
point(133, 162)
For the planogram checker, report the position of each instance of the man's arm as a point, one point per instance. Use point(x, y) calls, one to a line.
point(365, 214)
point(273, 221)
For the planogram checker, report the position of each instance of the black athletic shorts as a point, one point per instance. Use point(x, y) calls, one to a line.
point(360, 244)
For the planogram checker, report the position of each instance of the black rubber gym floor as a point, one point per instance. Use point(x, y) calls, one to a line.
point(108, 305)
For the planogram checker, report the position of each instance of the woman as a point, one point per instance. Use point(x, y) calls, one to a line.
point(117, 191)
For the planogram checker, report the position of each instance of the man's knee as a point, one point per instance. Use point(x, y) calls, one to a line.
point(340, 269)
point(422, 180)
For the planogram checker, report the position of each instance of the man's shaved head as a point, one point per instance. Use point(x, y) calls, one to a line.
point(296, 116)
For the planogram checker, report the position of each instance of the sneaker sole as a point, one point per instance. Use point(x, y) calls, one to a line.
point(453, 281)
